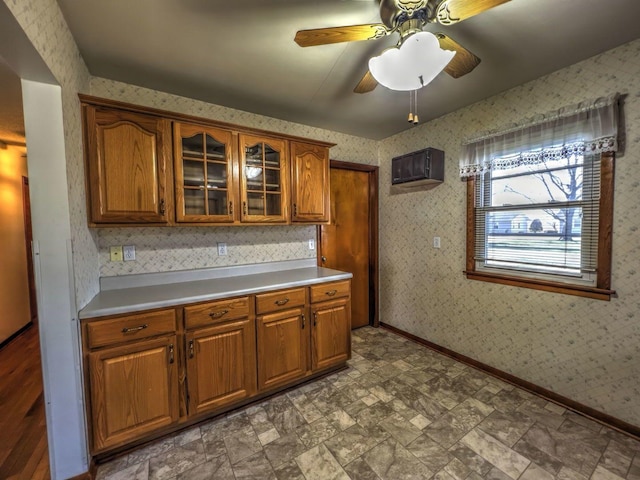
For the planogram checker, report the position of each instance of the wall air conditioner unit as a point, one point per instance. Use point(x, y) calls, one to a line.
point(419, 170)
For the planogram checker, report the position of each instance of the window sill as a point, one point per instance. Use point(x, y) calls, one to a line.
point(578, 290)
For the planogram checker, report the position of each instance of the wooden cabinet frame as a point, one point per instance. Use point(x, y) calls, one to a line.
point(300, 172)
point(146, 372)
point(131, 191)
point(309, 183)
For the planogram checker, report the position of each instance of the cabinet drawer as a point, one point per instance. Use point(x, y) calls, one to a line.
point(215, 312)
point(131, 327)
point(277, 301)
point(327, 291)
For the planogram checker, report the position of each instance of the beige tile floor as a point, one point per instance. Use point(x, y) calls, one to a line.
point(400, 411)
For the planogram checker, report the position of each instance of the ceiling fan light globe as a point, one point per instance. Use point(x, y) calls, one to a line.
point(412, 65)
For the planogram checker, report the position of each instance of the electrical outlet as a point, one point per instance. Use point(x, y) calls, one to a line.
point(222, 248)
point(116, 253)
point(436, 242)
point(312, 244)
point(129, 253)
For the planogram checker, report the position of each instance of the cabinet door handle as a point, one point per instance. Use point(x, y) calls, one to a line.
point(315, 318)
point(171, 353)
point(244, 208)
point(190, 348)
point(230, 208)
point(331, 293)
point(218, 314)
point(302, 321)
point(295, 209)
point(134, 329)
point(284, 301)
point(162, 207)
point(323, 258)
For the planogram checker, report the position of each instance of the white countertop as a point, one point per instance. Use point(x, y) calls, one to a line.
point(234, 282)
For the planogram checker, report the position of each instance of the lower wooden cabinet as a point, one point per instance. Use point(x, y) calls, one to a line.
point(282, 348)
point(134, 390)
point(148, 373)
point(331, 338)
point(221, 365)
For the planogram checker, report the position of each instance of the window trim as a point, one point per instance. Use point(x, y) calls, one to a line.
point(602, 289)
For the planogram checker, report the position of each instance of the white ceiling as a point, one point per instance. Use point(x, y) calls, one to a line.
point(241, 53)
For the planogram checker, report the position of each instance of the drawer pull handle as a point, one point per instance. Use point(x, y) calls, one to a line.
point(218, 314)
point(134, 329)
point(331, 293)
point(190, 348)
point(303, 321)
point(282, 302)
point(171, 353)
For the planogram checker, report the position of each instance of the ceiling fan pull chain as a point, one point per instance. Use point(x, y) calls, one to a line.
point(413, 104)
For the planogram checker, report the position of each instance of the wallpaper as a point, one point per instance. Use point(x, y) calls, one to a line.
point(181, 248)
point(584, 349)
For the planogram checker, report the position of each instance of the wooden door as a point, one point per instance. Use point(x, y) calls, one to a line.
point(331, 338)
point(309, 183)
point(350, 241)
point(264, 179)
point(134, 390)
point(282, 347)
point(221, 365)
point(205, 186)
point(127, 166)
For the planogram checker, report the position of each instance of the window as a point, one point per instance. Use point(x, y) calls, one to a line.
point(540, 205)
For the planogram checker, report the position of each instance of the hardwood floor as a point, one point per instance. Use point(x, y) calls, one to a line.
point(23, 441)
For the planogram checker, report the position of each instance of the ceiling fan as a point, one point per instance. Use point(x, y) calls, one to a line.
point(407, 17)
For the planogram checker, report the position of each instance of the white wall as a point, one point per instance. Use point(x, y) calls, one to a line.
point(54, 279)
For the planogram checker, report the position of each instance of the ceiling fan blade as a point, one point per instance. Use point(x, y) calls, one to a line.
point(463, 62)
point(352, 33)
point(454, 11)
point(366, 84)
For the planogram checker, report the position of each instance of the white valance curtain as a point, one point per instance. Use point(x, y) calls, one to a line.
point(586, 127)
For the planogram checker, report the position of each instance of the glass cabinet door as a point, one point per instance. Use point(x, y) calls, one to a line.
point(263, 176)
point(204, 187)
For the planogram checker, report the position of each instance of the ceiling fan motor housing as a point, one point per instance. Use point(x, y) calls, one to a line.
point(396, 12)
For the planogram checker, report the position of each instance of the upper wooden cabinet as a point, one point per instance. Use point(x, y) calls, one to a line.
point(126, 166)
point(220, 173)
point(309, 183)
point(263, 179)
point(205, 187)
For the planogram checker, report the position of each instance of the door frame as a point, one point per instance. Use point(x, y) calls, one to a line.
point(373, 174)
point(28, 238)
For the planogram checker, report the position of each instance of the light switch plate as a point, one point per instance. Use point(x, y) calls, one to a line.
point(312, 244)
point(115, 253)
